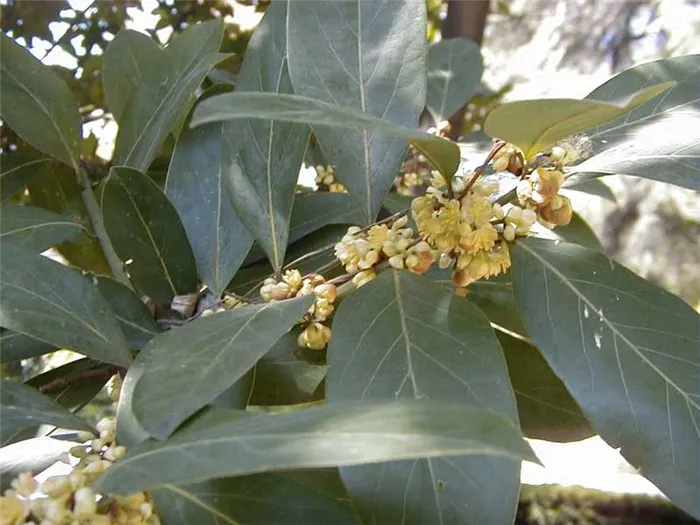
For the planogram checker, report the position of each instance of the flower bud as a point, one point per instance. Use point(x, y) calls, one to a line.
point(557, 154)
point(24, 484)
point(445, 261)
point(509, 233)
point(326, 291)
point(400, 222)
point(56, 486)
point(396, 262)
point(461, 278)
point(363, 277)
point(561, 216)
point(85, 503)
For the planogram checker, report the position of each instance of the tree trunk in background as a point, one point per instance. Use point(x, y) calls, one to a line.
point(465, 18)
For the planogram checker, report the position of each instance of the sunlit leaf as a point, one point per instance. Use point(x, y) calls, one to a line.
point(592, 186)
point(577, 231)
point(628, 352)
point(34, 455)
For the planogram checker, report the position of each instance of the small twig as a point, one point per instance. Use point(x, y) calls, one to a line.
point(480, 171)
point(85, 374)
point(79, 19)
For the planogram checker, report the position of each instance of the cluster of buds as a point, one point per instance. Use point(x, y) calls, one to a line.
point(539, 191)
point(466, 231)
point(361, 250)
point(414, 174)
point(315, 334)
point(509, 158)
point(325, 180)
point(227, 303)
point(569, 151)
point(69, 499)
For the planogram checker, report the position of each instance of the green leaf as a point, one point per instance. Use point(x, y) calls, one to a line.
point(56, 304)
point(404, 336)
point(371, 62)
point(145, 229)
point(186, 368)
point(37, 104)
point(313, 497)
point(628, 352)
point(443, 153)
point(658, 140)
point(395, 203)
point(545, 408)
point(156, 102)
point(535, 125)
point(314, 211)
point(282, 377)
point(455, 67)
point(129, 430)
point(579, 232)
point(16, 171)
point(203, 158)
point(35, 228)
point(129, 60)
point(22, 406)
point(16, 346)
point(495, 298)
point(591, 186)
point(337, 434)
point(269, 152)
point(135, 319)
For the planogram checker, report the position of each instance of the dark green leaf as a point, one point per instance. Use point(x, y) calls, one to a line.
point(34, 455)
point(628, 352)
point(269, 152)
point(129, 61)
point(37, 104)
point(135, 319)
point(336, 434)
point(34, 228)
point(283, 377)
point(593, 187)
point(22, 406)
point(579, 232)
point(129, 430)
point(204, 157)
point(146, 230)
point(16, 346)
point(454, 72)
point(444, 154)
point(56, 304)
point(371, 62)
point(156, 102)
point(396, 203)
point(186, 368)
point(16, 171)
point(313, 497)
point(658, 140)
point(535, 125)
point(404, 336)
point(545, 408)
point(495, 298)
point(314, 211)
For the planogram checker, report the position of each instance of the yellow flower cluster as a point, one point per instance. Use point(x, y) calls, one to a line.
point(325, 180)
point(539, 191)
point(70, 499)
point(361, 250)
point(315, 335)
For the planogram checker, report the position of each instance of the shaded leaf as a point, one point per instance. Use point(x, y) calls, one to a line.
point(314, 211)
point(186, 368)
point(495, 298)
point(16, 346)
point(56, 304)
point(579, 232)
point(129, 430)
point(659, 139)
point(156, 102)
point(128, 62)
point(16, 171)
point(535, 125)
point(203, 158)
point(269, 152)
point(145, 229)
point(404, 336)
point(444, 154)
point(545, 408)
point(34, 228)
point(628, 352)
point(335, 434)
point(37, 104)
point(396, 203)
point(371, 62)
point(135, 319)
point(454, 72)
point(313, 497)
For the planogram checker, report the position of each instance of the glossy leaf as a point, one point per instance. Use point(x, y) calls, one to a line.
point(545, 408)
point(370, 61)
point(314, 211)
point(22, 406)
point(16, 171)
point(269, 152)
point(496, 299)
point(135, 319)
point(658, 140)
point(330, 435)
point(535, 125)
point(403, 336)
point(57, 305)
point(145, 229)
point(444, 154)
point(156, 102)
point(203, 158)
point(592, 187)
point(454, 72)
point(35, 228)
point(313, 497)
point(628, 352)
point(34, 455)
point(186, 368)
point(37, 104)
point(16, 346)
point(579, 232)
point(128, 62)
point(129, 430)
